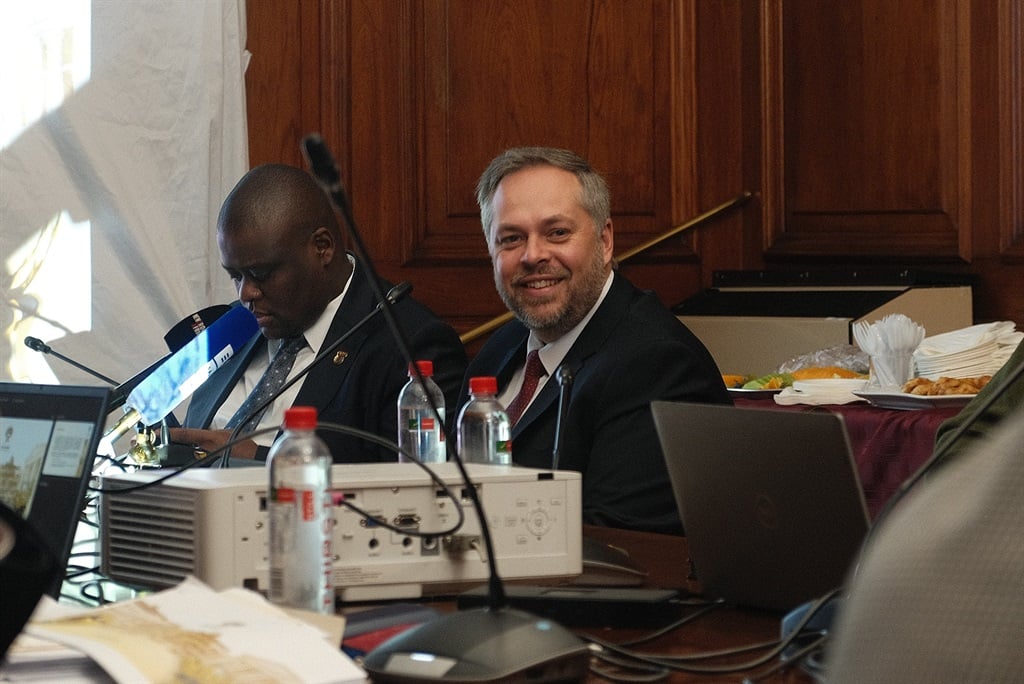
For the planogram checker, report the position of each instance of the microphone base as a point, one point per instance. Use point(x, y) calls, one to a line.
point(481, 645)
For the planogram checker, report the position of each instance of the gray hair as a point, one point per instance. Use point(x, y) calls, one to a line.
point(594, 195)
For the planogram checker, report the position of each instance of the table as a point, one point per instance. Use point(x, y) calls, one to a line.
point(665, 557)
point(888, 445)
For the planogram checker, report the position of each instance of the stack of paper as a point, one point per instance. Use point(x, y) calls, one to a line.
point(968, 352)
point(190, 633)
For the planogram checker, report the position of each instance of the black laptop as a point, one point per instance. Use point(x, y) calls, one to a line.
point(48, 440)
point(770, 500)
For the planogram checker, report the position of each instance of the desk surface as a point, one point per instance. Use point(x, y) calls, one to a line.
point(664, 558)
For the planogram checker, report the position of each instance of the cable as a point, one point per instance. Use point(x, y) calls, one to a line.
point(688, 663)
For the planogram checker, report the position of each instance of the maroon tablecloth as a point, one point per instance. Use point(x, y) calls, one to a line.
point(888, 446)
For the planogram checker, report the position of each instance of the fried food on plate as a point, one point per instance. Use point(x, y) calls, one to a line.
point(945, 386)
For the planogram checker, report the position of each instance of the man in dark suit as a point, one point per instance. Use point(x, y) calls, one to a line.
point(281, 245)
point(546, 217)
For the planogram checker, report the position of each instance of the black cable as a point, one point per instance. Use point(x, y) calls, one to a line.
point(685, 663)
point(676, 624)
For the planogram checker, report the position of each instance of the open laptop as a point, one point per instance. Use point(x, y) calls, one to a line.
point(48, 440)
point(770, 500)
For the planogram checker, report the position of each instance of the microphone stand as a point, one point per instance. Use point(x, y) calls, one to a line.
point(517, 637)
point(325, 169)
point(565, 377)
point(36, 344)
point(146, 451)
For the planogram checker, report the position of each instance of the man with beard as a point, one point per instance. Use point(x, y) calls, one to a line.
point(546, 217)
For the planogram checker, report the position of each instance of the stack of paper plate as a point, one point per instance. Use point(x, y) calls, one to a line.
point(817, 392)
point(968, 352)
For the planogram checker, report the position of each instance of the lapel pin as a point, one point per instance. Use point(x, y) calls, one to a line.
point(339, 357)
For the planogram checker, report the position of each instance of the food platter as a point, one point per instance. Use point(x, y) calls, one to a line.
point(894, 399)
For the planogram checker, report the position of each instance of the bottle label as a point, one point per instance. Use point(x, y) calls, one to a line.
point(301, 562)
point(421, 435)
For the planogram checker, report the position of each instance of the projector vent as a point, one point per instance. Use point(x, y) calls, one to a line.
point(150, 536)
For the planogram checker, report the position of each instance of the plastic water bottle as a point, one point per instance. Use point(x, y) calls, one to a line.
point(419, 432)
point(484, 429)
point(301, 516)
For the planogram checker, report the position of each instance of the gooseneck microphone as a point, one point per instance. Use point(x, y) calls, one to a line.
point(394, 295)
point(435, 651)
point(325, 169)
point(36, 344)
point(565, 376)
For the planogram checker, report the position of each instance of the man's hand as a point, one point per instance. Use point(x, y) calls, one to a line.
point(211, 440)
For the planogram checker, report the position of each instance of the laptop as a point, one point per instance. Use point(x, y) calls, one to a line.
point(48, 440)
point(770, 500)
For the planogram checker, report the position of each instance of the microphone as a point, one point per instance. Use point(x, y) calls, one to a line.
point(36, 344)
point(514, 640)
point(188, 368)
point(180, 334)
point(565, 376)
point(184, 330)
point(394, 295)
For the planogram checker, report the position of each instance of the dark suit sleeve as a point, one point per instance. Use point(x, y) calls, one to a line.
point(625, 480)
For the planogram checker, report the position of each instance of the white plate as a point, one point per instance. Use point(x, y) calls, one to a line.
point(753, 393)
point(829, 384)
point(906, 402)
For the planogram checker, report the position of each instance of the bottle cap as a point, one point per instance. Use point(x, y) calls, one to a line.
point(486, 384)
point(426, 368)
point(300, 418)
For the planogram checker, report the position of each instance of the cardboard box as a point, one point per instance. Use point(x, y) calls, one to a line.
point(754, 321)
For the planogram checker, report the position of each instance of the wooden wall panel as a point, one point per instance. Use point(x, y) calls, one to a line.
point(874, 99)
point(869, 132)
point(575, 74)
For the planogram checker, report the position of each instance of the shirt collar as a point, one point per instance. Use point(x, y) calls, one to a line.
point(552, 353)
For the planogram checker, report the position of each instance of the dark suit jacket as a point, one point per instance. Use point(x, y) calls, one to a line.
point(362, 391)
point(631, 352)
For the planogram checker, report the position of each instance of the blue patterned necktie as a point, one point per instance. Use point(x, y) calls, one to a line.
point(272, 380)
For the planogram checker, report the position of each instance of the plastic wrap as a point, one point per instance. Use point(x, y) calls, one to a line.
point(845, 356)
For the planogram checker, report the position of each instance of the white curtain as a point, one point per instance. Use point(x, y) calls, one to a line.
point(108, 202)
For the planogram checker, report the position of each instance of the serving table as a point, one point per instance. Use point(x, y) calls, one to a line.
point(888, 445)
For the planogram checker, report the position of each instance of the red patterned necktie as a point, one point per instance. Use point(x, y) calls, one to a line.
point(534, 371)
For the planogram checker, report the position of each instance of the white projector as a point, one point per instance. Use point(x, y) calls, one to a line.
point(212, 523)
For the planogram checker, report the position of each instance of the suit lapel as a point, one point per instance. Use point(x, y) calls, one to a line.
point(590, 341)
point(330, 373)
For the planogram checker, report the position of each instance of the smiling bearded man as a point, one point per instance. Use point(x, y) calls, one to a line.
point(547, 220)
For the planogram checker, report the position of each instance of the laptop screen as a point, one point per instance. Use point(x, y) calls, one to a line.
point(48, 440)
point(771, 502)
